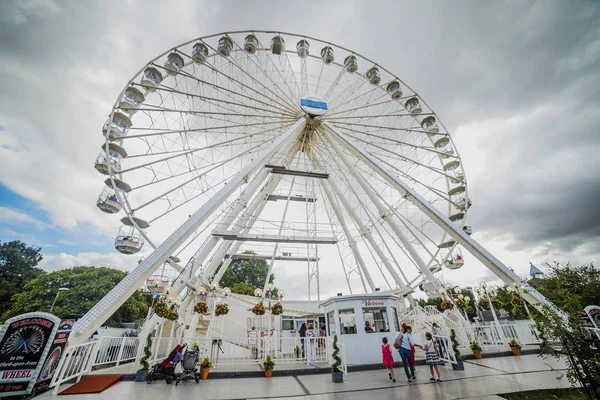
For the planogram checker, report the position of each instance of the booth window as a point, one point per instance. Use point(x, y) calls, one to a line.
point(347, 322)
point(395, 319)
point(377, 318)
point(287, 324)
point(331, 324)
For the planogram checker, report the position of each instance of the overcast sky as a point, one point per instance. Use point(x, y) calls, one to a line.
point(517, 84)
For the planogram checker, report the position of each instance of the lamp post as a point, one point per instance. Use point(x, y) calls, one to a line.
point(269, 295)
point(62, 289)
point(487, 290)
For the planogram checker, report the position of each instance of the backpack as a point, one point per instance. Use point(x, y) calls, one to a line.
point(398, 341)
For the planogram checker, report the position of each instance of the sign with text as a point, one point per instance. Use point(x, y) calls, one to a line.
point(373, 303)
point(25, 343)
point(51, 363)
point(593, 313)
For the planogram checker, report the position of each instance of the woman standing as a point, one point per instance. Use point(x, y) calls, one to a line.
point(405, 340)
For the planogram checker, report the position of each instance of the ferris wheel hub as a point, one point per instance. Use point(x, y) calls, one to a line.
point(314, 106)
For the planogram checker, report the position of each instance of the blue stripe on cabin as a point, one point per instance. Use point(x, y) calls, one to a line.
point(313, 103)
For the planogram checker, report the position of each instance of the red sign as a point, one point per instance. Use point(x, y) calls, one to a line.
point(372, 303)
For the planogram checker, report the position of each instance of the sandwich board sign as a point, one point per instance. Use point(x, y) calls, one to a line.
point(25, 342)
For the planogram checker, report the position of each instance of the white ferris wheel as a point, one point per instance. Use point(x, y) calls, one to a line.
point(286, 148)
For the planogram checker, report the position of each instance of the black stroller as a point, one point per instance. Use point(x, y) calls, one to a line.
point(167, 366)
point(188, 364)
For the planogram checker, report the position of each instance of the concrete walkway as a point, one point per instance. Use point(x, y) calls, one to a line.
point(482, 379)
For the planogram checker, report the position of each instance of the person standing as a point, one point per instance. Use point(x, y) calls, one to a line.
point(302, 331)
point(432, 358)
point(404, 340)
point(388, 359)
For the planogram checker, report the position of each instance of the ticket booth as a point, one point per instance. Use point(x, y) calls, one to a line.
point(361, 322)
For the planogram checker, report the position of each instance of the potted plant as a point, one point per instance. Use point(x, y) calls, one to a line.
point(221, 309)
point(205, 366)
point(476, 348)
point(460, 365)
point(201, 307)
point(259, 309)
point(277, 309)
point(142, 374)
point(268, 365)
point(254, 352)
point(297, 351)
point(337, 376)
point(515, 347)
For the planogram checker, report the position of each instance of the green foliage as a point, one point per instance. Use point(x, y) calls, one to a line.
point(204, 364)
point(147, 353)
point(17, 267)
point(454, 341)
point(87, 285)
point(337, 361)
point(244, 276)
point(511, 302)
point(513, 343)
point(475, 346)
point(570, 288)
point(577, 346)
point(268, 363)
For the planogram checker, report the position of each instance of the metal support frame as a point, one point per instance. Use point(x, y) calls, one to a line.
point(96, 316)
point(485, 257)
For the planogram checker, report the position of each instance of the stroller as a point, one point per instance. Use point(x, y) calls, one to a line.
point(166, 367)
point(188, 364)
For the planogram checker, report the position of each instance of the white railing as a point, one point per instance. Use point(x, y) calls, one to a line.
point(231, 329)
point(75, 362)
point(116, 350)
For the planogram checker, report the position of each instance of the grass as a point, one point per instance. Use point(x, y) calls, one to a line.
point(547, 394)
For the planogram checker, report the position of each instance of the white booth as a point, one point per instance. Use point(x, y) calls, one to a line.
point(361, 322)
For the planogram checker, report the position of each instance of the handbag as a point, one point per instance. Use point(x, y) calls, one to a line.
point(398, 341)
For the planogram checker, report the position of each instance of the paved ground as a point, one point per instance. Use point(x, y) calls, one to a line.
point(482, 379)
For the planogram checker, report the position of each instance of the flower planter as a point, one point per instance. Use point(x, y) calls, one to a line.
point(204, 373)
point(141, 375)
point(268, 373)
point(337, 377)
point(477, 354)
point(515, 350)
point(460, 365)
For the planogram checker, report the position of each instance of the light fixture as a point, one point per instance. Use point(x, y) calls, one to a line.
point(483, 285)
point(281, 293)
point(467, 299)
point(202, 290)
point(270, 287)
point(258, 292)
point(457, 290)
point(460, 296)
point(227, 291)
point(477, 289)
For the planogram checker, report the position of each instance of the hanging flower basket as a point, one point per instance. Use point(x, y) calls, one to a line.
point(259, 309)
point(277, 309)
point(201, 307)
point(164, 311)
point(446, 305)
point(221, 309)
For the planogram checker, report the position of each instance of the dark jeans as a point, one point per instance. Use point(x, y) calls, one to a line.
point(406, 356)
point(302, 341)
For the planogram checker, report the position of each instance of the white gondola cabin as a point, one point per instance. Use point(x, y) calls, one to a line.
point(373, 76)
point(468, 229)
point(113, 158)
point(351, 64)
point(129, 221)
point(131, 100)
point(108, 201)
point(151, 78)
point(250, 44)
point(447, 153)
point(454, 262)
point(327, 55)
point(413, 106)
point(393, 88)
point(302, 48)
point(225, 46)
point(442, 143)
point(200, 53)
point(430, 125)
point(129, 240)
point(174, 63)
point(464, 203)
point(116, 129)
point(277, 45)
point(451, 165)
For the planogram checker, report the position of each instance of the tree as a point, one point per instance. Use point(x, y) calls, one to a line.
point(246, 274)
point(570, 288)
point(17, 267)
point(87, 285)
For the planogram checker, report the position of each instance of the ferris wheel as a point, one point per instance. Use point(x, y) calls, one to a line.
point(284, 147)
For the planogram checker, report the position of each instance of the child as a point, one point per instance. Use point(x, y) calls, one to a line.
point(432, 358)
point(388, 359)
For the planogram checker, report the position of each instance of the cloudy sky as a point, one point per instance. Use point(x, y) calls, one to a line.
point(516, 83)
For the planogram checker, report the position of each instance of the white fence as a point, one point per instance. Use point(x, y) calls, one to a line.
point(75, 362)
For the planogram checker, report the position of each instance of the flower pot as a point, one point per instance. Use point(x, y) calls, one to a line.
point(337, 377)
point(141, 375)
point(268, 373)
point(477, 354)
point(460, 365)
point(204, 373)
point(515, 351)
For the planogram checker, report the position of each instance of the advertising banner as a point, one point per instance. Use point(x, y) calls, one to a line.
point(51, 363)
point(593, 313)
point(25, 343)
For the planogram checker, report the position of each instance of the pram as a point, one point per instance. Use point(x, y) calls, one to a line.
point(188, 364)
point(167, 366)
